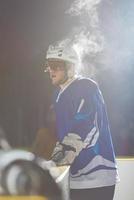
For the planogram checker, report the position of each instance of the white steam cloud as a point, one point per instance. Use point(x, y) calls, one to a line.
point(86, 38)
point(80, 7)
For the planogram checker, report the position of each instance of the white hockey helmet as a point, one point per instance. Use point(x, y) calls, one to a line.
point(66, 53)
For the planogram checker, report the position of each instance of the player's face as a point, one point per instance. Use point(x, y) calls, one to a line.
point(56, 69)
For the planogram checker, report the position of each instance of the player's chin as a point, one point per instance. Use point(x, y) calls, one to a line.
point(55, 82)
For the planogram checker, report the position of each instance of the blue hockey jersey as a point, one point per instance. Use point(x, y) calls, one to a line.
point(84, 135)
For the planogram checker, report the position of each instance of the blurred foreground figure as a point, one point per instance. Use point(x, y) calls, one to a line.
point(82, 128)
point(22, 173)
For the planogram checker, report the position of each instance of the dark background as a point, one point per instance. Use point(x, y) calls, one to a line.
point(27, 27)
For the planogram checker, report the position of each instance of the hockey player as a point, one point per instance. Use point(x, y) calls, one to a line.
point(84, 140)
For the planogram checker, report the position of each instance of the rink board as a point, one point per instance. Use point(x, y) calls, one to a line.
point(125, 188)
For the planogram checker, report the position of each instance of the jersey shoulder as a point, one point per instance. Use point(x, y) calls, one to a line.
point(86, 83)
